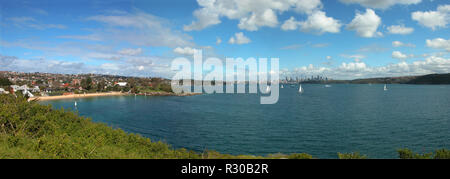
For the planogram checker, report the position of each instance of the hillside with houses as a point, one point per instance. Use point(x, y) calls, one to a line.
point(47, 84)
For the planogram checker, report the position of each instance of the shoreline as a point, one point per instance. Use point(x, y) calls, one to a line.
point(76, 96)
point(90, 95)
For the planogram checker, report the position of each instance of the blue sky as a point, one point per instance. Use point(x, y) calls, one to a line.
point(343, 39)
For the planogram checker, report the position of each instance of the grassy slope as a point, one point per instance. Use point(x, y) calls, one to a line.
point(31, 130)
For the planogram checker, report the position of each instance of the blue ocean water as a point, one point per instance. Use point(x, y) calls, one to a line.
point(321, 121)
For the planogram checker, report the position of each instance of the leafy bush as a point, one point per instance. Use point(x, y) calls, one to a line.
point(354, 155)
point(438, 154)
point(5, 82)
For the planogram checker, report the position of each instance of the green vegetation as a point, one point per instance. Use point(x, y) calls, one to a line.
point(354, 155)
point(438, 154)
point(31, 130)
point(432, 79)
point(4, 82)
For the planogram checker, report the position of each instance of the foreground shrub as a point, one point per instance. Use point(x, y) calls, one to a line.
point(438, 154)
point(354, 155)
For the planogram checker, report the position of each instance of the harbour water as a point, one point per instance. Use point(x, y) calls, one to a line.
point(321, 121)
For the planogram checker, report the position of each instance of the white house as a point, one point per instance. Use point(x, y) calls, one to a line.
point(35, 89)
point(26, 92)
point(25, 88)
point(122, 84)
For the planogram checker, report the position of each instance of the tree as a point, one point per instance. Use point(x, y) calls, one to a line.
point(87, 83)
point(5, 82)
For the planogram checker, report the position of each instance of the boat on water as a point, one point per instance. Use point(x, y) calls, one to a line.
point(385, 87)
point(327, 86)
point(300, 89)
point(268, 89)
point(282, 86)
point(75, 104)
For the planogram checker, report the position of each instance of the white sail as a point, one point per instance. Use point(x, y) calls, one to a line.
point(75, 104)
point(385, 87)
point(268, 89)
point(300, 89)
point(282, 86)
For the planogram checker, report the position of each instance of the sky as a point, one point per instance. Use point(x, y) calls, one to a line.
point(340, 39)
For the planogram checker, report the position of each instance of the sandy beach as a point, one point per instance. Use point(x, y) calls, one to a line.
point(73, 96)
point(88, 95)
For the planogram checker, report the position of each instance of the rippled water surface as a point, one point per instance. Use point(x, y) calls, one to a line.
point(321, 121)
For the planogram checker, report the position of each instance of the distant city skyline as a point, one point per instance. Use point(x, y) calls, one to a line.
point(344, 39)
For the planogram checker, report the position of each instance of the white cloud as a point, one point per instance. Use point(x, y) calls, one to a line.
point(131, 52)
point(401, 44)
point(366, 25)
point(355, 57)
point(439, 43)
point(239, 38)
point(91, 37)
point(399, 55)
point(140, 68)
point(267, 18)
point(381, 4)
point(251, 14)
point(140, 29)
point(319, 23)
point(29, 22)
point(400, 29)
point(6, 60)
point(353, 70)
point(185, 50)
point(290, 24)
point(433, 19)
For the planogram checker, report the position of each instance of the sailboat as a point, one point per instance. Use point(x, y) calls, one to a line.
point(75, 104)
point(385, 87)
point(282, 86)
point(300, 89)
point(268, 89)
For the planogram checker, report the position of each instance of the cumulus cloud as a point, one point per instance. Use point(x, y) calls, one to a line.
point(380, 4)
point(251, 14)
point(267, 18)
point(239, 38)
point(290, 24)
point(401, 44)
point(131, 52)
point(433, 19)
point(319, 23)
point(366, 24)
point(400, 56)
point(439, 43)
point(352, 70)
point(400, 29)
